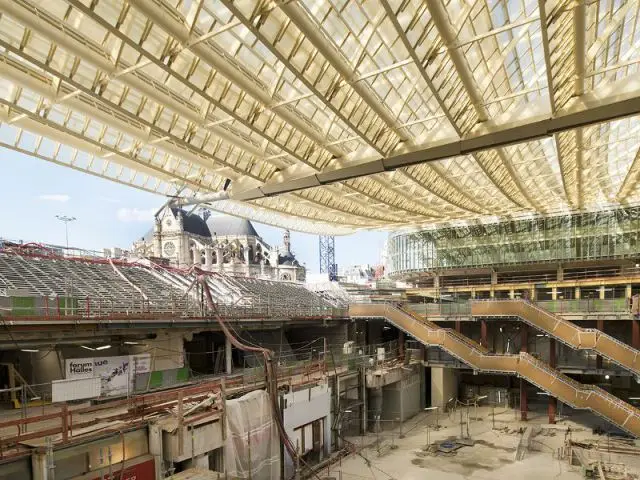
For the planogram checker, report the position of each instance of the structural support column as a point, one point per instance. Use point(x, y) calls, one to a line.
point(227, 356)
point(553, 401)
point(524, 339)
point(155, 449)
point(554, 293)
point(635, 333)
point(599, 326)
point(401, 344)
point(577, 293)
point(483, 333)
point(560, 274)
point(458, 326)
point(512, 294)
point(602, 292)
point(39, 465)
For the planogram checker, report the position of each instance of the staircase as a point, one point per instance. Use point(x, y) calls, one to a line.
point(563, 330)
point(569, 391)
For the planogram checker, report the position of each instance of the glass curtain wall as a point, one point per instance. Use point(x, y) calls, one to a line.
point(584, 236)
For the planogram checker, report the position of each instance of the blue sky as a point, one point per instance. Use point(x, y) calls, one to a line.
point(108, 214)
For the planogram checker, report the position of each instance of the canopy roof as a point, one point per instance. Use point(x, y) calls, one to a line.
point(333, 116)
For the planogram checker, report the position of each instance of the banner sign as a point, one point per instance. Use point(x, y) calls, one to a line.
point(117, 374)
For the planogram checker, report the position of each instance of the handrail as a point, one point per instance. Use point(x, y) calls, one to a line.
point(523, 364)
point(596, 340)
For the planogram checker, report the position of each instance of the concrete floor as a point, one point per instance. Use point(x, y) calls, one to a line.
point(492, 457)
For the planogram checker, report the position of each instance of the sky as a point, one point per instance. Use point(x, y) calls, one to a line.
point(108, 214)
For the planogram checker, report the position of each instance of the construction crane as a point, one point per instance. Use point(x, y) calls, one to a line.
point(328, 256)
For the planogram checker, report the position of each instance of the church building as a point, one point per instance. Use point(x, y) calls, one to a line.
point(218, 243)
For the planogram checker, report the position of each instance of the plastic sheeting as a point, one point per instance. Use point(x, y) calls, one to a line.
point(252, 446)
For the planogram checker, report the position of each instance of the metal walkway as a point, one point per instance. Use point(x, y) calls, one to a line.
point(563, 330)
point(569, 391)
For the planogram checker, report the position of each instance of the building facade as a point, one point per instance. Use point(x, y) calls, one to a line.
point(218, 243)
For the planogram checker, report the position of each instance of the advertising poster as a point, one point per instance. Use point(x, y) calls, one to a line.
point(116, 374)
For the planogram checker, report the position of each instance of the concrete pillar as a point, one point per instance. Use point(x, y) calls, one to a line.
point(552, 409)
point(554, 293)
point(599, 326)
point(473, 293)
point(401, 344)
point(39, 466)
point(483, 333)
point(532, 294)
point(458, 326)
point(602, 292)
point(492, 293)
point(560, 273)
point(494, 278)
point(512, 294)
point(436, 281)
point(155, 449)
point(524, 339)
point(577, 293)
point(227, 355)
point(635, 333)
point(552, 353)
point(627, 292)
point(444, 386)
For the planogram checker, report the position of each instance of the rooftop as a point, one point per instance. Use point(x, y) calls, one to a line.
point(333, 117)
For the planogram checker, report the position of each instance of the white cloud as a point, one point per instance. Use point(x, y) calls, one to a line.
point(135, 214)
point(56, 197)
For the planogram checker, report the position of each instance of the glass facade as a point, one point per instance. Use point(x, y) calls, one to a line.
point(583, 236)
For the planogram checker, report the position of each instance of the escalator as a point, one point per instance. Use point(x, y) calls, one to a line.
point(539, 373)
point(563, 330)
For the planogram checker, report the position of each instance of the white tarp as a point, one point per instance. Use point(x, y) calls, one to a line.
point(75, 389)
point(252, 444)
point(117, 374)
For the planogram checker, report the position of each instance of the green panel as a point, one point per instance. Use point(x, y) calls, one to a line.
point(68, 305)
point(23, 306)
point(156, 379)
point(183, 374)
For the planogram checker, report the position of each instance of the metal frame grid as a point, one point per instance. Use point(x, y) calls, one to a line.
point(333, 116)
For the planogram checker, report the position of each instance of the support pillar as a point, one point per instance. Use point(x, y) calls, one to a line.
point(599, 326)
point(39, 465)
point(553, 408)
point(553, 401)
point(627, 292)
point(560, 273)
point(635, 333)
point(458, 326)
point(401, 344)
point(494, 278)
point(524, 339)
point(577, 293)
point(492, 293)
point(512, 294)
point(227, 356)
point(602, 292)
point(483, 333)
point(532, 294)
point(155, 449)
point(523, 400)
point(554, 293)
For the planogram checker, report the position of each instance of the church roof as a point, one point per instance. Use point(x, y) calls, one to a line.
point(216, 225)
point(224, 226)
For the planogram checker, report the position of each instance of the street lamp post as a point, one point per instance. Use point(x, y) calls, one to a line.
point(66, 220)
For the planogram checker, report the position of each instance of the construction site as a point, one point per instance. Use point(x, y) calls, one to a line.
point(491, 147)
